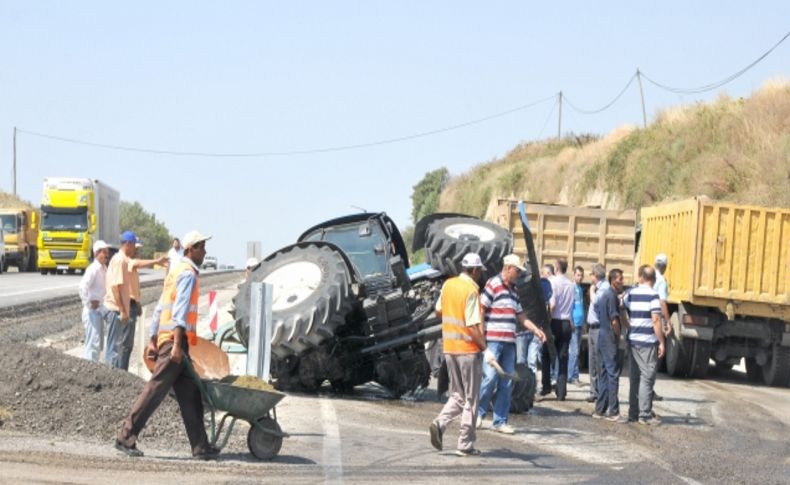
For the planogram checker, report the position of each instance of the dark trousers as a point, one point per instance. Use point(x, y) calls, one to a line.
point(562, 330)
point(167, 374)
point(592, 360)
point(608, 376)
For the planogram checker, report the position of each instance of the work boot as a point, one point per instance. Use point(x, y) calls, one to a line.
point(210, 453)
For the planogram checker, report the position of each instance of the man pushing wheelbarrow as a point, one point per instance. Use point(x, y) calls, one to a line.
point(178, 314)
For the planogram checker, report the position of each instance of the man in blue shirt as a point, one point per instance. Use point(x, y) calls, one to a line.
point(598, 287)
point(577, 316)
point(608, 309)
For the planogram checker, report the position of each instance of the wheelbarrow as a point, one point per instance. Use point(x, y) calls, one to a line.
point(257, 407)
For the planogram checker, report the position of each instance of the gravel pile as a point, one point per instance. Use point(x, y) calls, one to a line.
point(47, 392)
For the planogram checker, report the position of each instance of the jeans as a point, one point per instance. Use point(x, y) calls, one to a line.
point(506, 356)
point(561, 330)
point(120, 339)
point(93, 322)
point(573, 354)
point(608, 375)
point(528, 350)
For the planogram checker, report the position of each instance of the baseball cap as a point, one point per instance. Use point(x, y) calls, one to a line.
point(129, 237)
point(472, 260)
point(251, 263)
point(661, 258)
point(99, 245)
point(193, 237)
point(513, 260)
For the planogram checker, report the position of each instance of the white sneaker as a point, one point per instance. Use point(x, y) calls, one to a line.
point(479, 423)
point(504, 429)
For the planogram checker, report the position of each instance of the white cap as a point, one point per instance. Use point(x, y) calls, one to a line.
point(193, 237)
point(513, 260)
point(472, 260)
point(661, 258)
point(99, 245)
point(252, 262)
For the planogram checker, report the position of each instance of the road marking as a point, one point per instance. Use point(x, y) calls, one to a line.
point(332, 453)
point(39, 290)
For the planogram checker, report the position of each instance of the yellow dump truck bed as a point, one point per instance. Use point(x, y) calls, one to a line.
point(729, 256)
point(584, 236)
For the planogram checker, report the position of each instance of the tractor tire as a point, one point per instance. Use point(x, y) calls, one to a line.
point(677, 358)
point(523, 397)
point(449, 240)
point(700, 361)
point(777, 371)
point(311, 298)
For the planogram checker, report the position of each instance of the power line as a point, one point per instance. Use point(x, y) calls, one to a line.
point(548, 118)
point(604, 107)
point(292, 152)
point(717, 84)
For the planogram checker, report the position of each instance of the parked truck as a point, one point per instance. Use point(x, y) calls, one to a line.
point(729, 280)
point(583, 235)
point(20, 235)
point(75, 213)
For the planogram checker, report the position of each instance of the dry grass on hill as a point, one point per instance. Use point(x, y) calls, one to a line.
point(730, 149)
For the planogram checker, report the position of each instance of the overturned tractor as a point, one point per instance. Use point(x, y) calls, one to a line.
point(348, 309)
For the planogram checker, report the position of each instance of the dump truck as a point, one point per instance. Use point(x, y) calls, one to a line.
point(75, 213)
point(729, 281)
point(20, 233)
point(582, 235)
point(348, 309)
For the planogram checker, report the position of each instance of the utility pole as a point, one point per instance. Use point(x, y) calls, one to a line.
point(15, 160)
point(641, 95)
point(559, 120)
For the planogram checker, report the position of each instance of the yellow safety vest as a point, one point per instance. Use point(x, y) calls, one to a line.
point(456, 336)
point(166, 325)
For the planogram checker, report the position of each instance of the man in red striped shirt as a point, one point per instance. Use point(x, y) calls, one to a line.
point(503, 314)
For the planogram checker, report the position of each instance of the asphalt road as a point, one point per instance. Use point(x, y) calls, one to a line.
point(719, 430)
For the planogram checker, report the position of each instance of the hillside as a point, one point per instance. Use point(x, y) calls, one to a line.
point(10, 201)
point(731, 149)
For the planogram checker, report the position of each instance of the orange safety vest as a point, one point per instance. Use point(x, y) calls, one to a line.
point(166, 325)
point(456, 336)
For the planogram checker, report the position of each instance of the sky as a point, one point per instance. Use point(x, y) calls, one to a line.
point(263, 77)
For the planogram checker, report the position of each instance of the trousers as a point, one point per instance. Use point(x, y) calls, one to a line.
point(464, 371)
point(642, 378)
point(562, 331)
point(168, 374)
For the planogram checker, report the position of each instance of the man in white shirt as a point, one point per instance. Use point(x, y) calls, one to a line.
point(175, 254)
point(92, 289)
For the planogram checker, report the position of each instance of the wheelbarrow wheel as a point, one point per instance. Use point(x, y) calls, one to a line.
point(262, 445)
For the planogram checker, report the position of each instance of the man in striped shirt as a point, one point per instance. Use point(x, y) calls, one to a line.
point(646, 341)
point(503, 316)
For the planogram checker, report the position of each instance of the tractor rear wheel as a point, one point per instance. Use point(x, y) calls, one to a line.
point(449, 240)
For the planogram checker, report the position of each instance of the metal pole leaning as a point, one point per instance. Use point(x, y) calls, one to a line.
point(15, 160)
point(559, 119)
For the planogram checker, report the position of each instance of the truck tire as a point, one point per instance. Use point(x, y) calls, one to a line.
point(753, 370)
point(449, 240)
point(311, 298)
point(776, 372)
point(700, 361)
point(677, 357)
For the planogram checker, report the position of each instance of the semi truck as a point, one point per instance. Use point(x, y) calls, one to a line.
point(75, 213)
point(729, 285)
point(20, 237)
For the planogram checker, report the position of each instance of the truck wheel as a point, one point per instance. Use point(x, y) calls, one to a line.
point(777, 371)
point(311, 298)
point(676, 357)
point(700, 361)
point(449, 240)
point(753, 370)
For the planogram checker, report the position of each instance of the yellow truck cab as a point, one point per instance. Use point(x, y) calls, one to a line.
point(75, 213)
point(20, 237)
